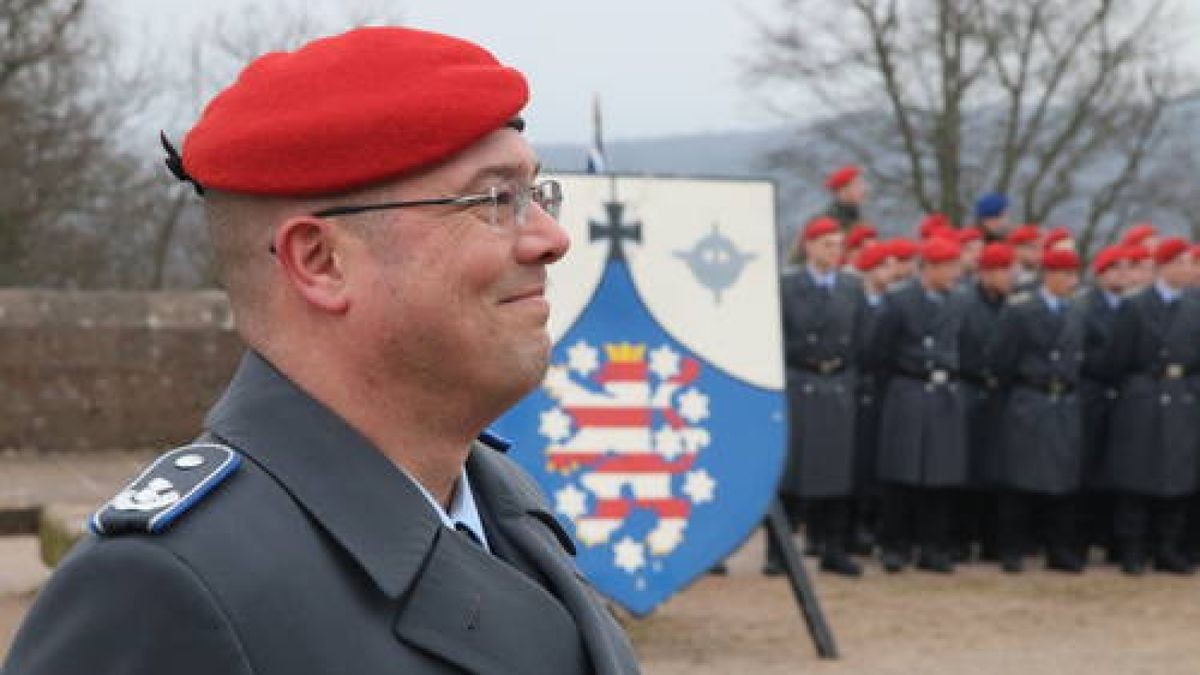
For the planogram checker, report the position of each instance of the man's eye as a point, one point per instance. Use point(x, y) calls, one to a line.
point(504, 195)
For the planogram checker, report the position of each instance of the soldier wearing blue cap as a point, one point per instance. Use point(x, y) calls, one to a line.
point(991, 216)
point(374, 210)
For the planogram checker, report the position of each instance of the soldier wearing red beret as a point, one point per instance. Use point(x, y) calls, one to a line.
point(1098, 393)
point(1026, 241)
point(821, 312)
point(985, 297)
point(1037, 352)
point(374, 209)
point(1154, 352)
point(904, 252)
point(922, 453)
point(848, 187)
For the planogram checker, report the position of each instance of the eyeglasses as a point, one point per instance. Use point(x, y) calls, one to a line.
point(509, 207)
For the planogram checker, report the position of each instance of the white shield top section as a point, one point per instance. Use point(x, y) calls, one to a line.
point(705, 265)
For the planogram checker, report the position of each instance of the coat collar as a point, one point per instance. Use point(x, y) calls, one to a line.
point(366, 503)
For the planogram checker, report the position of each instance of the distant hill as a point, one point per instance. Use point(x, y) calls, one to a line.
point(736, 154)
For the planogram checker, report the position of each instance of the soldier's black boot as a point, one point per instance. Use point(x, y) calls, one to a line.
point(1172, 561)
point(1133, 559)
point(893, 561)
point(935, 560)
point(1012, 563)
point(835, 560)
point(1063, 559)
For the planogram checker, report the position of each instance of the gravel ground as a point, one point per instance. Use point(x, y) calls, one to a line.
point(978, 621)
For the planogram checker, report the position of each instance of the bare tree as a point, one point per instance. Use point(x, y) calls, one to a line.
point(1051, 101)
point(81, 204)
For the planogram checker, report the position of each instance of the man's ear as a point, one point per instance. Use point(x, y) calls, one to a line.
point(313, 264)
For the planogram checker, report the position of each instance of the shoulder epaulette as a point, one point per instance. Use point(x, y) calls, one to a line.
point(166, 489)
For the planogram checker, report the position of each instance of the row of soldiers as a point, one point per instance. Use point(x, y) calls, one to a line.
point(961, 392)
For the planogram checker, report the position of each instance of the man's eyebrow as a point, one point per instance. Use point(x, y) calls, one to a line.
point(502, 171)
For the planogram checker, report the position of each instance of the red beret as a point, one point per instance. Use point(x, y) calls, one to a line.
point(1106, 258)
point(1138, 234)
point(842, 177)
point(1056, 235)
point(996, 256)
point(1060, 259)
point(346, 111)
point(903, 249)
point(819, 227)
point(969, 234)
point(1025, 234)
point(940, 250)
point(872, 255)
point(859, 234)
point(1169, 249)
point(1135, 253)
point(935, 224)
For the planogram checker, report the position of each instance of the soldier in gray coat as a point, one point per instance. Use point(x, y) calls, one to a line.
point(821, 311)
point(984, 394)
point(344, 510)
point(923, 437)
point(1098, 395)
point(1037, 353)
point(1152, 450)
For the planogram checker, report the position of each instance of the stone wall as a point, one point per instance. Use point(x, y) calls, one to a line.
point(110, 370)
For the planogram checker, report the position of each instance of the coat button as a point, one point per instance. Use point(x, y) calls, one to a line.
point(812, 337)
point(1055, 355)
point(928, 342)
point(1165, 399)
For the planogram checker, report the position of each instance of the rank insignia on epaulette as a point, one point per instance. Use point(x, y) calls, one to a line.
point(170, 486)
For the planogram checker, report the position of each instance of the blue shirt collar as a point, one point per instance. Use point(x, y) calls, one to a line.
point(1165, 292)
point(1113, 300)
point(462, 507)
point(1053, 302)
point(825, 280)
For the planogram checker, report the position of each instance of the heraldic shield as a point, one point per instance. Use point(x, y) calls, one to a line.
point(658, 434)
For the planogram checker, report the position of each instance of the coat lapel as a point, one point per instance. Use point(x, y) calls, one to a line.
point(524, 521)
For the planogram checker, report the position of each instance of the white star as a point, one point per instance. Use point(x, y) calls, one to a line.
point(668, 443)
point(557, 380)
point(695, 439)
point(630, 555)
point(555, 425)
point(664, 361)
point(664, 538)
point(693, 406)
point(571, 502)
point(583, 358)
point(699, 486)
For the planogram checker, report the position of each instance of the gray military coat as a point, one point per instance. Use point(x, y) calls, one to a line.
point(319, 556)
point(981, 388)
point(1154, 352)
point(1097, 392)
point(1038, 353)
point(820, 335)
point(923, 435)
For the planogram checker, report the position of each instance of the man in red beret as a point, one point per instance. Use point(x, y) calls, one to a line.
point(985, 298)
point(1060, 238)
point(922, 453)
point(1142, 234)
point(877, 266)
point(904, 252)
point(1037, 352)
point(1140, 273)
point(1154, 352)
point(859, 236)
point(972, 243)
point(1098, 394)
point(821, 310)
point(374, 210)
point(848, 187)
point(1026, 241)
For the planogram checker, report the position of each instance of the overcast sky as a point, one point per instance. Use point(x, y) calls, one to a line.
point(661, 68)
